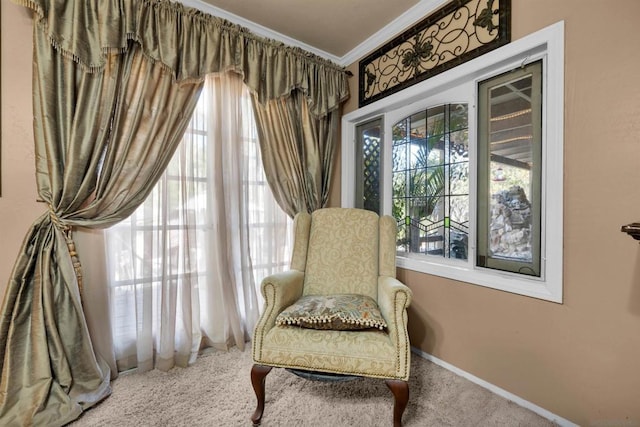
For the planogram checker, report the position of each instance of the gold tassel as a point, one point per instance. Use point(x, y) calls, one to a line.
point(66, 229)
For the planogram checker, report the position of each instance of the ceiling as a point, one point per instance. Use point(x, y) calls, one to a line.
point(335, 27)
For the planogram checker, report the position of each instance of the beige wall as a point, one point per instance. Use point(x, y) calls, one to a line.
point(579, 360)
point(18, 206)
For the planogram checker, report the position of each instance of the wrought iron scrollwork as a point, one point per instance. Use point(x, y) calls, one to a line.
point(485, 17)
point(459, 31)
point(417, 54)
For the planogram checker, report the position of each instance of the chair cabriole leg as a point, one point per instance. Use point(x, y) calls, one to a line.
point(258, 377)
point(400, 390)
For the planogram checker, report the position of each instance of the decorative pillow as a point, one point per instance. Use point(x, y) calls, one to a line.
point(337, 312)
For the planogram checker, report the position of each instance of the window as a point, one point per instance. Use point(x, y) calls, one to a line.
point(509, 170)
point(185, 267)
point(368, 166)
point(471, 168)
point(430, 180)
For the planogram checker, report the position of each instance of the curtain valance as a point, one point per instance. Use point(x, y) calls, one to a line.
point(191, 44)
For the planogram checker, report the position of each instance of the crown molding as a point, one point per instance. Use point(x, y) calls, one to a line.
point(257, 28)
point(386, 33)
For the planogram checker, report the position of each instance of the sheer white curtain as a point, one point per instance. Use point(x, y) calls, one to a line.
point(185, 268)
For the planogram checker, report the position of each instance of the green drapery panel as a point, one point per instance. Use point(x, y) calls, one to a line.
point(297, 151)
point(102, 140)
point(191, 44)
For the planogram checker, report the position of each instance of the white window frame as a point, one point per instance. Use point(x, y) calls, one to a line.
point(546, 45)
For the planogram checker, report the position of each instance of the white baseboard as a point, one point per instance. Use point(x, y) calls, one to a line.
point(495, 389)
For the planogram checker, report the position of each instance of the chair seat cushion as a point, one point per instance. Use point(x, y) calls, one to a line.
point(336, 312)
point(368, 353)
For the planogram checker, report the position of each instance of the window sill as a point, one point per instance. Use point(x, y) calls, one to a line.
point(460, 271)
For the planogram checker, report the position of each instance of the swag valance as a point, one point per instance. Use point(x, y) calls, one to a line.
point(190, 44)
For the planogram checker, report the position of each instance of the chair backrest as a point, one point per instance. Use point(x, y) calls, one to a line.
point(343, 250)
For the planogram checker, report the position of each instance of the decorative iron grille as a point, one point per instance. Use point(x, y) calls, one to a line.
point(459, 31)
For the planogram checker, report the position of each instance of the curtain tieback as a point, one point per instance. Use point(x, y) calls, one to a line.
point(66, 229)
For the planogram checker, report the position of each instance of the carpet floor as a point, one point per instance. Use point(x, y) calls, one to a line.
point(216, 391)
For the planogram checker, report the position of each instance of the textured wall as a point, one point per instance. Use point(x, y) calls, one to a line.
point(18, 207)
point(579, 360)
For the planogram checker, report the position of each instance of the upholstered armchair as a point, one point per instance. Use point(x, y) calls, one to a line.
point(337, 252)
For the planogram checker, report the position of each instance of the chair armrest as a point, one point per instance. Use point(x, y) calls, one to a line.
point(279, 290)
point(393, 300)
point(394, 297)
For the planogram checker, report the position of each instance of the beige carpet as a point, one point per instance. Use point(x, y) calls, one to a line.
point(216, 391)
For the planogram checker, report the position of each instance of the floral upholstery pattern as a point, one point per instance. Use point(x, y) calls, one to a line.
point(366, 353)
point(338, 251)
point(345, 312)
point(342, 257)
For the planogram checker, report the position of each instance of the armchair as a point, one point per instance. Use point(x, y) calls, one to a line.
point(337, 251)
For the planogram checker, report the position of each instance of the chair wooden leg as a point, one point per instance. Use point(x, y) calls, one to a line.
point(258, 377)
point(400, 390)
